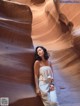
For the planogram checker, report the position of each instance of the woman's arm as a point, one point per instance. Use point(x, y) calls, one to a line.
point(51, 69)
point(36, 76)
point(52, 82)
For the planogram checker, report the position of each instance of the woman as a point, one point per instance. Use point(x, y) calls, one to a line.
point(43, 75)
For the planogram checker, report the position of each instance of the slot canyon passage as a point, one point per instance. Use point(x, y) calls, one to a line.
point(23, 26)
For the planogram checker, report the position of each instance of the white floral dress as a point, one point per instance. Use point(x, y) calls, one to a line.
point(49, 98)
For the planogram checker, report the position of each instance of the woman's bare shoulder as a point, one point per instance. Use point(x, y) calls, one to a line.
point(37, 62)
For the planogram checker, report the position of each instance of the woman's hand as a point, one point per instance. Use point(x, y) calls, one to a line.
point(38, 92)
point(51, 87)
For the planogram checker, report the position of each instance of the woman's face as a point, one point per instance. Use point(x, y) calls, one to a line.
point(40, 52)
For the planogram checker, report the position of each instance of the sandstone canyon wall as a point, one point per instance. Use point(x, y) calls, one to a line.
point(16, 55)
point(24, 25)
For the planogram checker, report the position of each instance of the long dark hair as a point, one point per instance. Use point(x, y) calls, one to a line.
point(46, 55)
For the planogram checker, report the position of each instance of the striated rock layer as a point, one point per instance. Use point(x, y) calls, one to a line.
point(46, 29)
